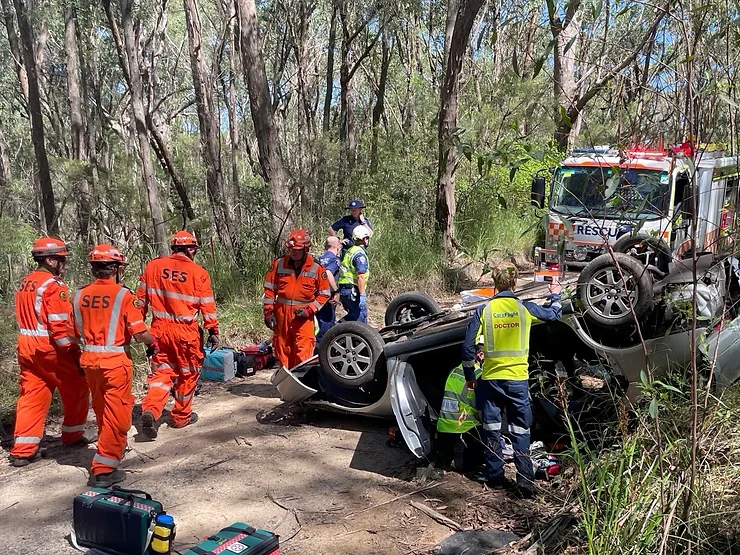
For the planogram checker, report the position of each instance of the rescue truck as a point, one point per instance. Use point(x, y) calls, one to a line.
point(602, 195)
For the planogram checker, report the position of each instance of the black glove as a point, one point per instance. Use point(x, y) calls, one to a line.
point(271, 322)
point(212, 341)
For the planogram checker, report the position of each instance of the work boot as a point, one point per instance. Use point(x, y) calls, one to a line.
point(147, 424)
point(106, 480)
point(88, 437)
point(193, 420)
point(19, 462)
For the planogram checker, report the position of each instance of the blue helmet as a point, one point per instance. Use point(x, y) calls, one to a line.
point(355, 204)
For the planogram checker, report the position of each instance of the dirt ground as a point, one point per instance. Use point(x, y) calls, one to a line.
point(326, 483)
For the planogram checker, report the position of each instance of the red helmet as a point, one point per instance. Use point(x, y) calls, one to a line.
point(49, 246)
point(298, 239)
point(106, 254)
point(183, 239)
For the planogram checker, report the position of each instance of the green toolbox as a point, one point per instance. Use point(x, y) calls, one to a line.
point(238, 538)
point(114, 520)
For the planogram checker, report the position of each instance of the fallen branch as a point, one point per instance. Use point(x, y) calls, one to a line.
point(269, 433)
point(213, 465)
point(430, 486)
point(439, 517)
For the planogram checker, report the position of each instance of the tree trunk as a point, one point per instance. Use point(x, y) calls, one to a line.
point(329, 94)
point(564, 73)
point(230, 96)
point(209, 132)
point(346, 115)
point(379, 108)
point(452, 7)
point(6, 169)
point(37, 121)
point(268, 141)
point(77, 126)
point(445, 209)
point(15, 50)
point(138, 118)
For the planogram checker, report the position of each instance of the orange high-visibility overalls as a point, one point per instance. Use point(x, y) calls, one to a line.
point(105, 316)
point(287, 290)
point(48, 360)
point(176, 289)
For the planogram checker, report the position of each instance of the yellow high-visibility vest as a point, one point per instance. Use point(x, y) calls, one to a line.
point(458, 413)
point(505, 326)
point(347, 270)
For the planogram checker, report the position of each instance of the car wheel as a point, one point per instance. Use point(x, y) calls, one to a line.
point(410, 306)
point(349, 352)
point(645, 249)
point(607, 294)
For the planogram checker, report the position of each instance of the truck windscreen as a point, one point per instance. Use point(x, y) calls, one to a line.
point(604, 191)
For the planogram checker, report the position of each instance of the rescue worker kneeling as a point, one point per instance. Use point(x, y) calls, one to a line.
point(47, 358)
point(296, 288)
point(458, 420)
point(105, 317)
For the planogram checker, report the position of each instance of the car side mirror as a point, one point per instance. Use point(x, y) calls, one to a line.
point(538, 191)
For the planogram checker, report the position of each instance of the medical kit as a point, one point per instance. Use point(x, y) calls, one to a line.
point(238, 538)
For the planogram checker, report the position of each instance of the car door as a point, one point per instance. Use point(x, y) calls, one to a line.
point(411, 409)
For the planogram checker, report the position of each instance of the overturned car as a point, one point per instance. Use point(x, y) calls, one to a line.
point(399, 371)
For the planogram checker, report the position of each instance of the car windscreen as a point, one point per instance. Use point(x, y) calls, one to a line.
point(611, 192)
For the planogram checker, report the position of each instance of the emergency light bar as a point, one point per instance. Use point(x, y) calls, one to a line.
point(604, 150)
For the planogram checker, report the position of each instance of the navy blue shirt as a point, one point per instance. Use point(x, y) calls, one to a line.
point(544, 313)
point(330, 262)
point(348, 224)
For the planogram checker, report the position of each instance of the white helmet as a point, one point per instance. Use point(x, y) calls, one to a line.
point(360, 232)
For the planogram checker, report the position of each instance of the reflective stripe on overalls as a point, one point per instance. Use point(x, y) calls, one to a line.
point(110, 336)
point(458, 413)
point(347, 270)
point(505, 327)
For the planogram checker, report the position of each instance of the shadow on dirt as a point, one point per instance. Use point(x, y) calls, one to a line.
point(252, 389)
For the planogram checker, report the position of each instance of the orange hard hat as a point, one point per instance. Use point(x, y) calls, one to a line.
point(183, 239)
point(298, 239)
point(106, 254)
point(49, 246)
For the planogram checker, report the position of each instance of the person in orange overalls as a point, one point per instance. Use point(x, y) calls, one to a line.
point(296, 287)
point(177, 289)
point(48, 360)
point(105, 317)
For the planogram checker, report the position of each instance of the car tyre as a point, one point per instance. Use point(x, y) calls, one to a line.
point(661, 251)
point(410, 306)
point(349, 353)
point(606, 296)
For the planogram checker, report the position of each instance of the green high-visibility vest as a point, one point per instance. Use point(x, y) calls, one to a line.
point(458, 413)
point(505, 327)
point(347, 270)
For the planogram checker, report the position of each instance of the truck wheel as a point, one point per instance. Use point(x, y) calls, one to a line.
point(607, 295)
point(645, 248)
point(410, 306)
point(349, 352)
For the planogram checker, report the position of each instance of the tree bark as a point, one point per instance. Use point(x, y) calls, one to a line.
point(445, 209)
point(37, 122)
point(229, 93)
point(77, 126)
point(15, 50)
point(270, 157)
point(209, 132)
point(329, 94)
point(6, 169)
point(564, 32)
point(138, 118)
point(379, 108)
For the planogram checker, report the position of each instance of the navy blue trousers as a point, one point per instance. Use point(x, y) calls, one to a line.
point(493, 397)
point(350, 298)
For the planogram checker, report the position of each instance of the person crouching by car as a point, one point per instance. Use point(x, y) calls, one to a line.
point(458, 419)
